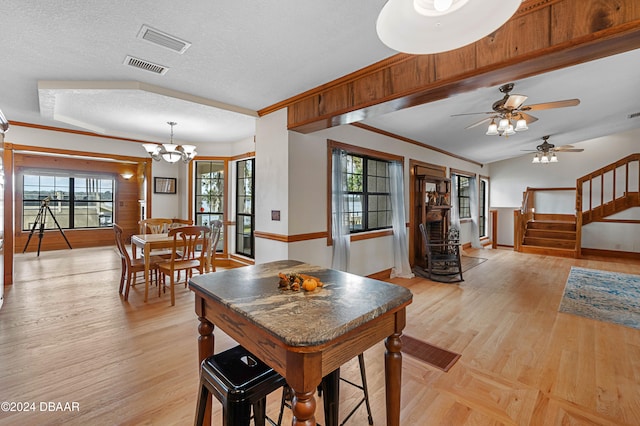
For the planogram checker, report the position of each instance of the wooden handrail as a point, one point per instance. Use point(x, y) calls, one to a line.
point(604, 208)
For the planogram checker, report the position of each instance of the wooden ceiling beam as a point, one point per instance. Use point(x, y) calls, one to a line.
point(542, 36)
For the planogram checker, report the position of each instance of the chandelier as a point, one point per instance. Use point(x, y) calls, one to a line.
point(504, 126)
point(434, 26)
point(171, 152)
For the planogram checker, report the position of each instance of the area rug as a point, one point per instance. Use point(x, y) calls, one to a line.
point(431, 354)
point(603, 296)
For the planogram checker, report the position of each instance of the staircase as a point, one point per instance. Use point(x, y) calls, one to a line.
point(600, 194)
point(551, 234)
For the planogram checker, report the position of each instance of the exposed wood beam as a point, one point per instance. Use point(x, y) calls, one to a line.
point(542, 36)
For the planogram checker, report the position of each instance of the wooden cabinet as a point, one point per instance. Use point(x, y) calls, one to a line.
point(433, 197)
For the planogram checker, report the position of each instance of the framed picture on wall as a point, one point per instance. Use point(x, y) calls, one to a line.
point(164, 185)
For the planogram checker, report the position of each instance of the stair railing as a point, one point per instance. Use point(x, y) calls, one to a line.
point(602, 189)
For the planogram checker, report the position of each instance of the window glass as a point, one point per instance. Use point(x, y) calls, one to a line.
point(368, 204)
point(464, 202)
point(74, 202)
point(245, 208)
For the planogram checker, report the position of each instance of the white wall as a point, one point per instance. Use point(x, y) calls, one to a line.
point(510, 178)
point(304, 159)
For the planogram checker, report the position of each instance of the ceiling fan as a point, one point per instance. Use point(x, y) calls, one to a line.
point(546, 152)
point(511, 108)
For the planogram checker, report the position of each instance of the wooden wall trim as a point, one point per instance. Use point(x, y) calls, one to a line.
point(610, 253)
point(290, 238)
point(459, 172)
point(75, 132)
point(543, 36)
point(414, 142)
point(8, 237)
point(243, 156)
point(319, 235)
point(354, 149)
point(26, 149)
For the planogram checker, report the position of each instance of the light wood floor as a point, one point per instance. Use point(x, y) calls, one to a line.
point(67, 336)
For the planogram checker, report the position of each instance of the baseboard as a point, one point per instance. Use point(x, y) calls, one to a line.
point(382, 275)
point(610, 253)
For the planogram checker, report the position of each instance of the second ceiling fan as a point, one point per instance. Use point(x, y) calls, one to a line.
point(511, 109)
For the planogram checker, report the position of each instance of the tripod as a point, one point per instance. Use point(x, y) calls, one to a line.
point(41, 218)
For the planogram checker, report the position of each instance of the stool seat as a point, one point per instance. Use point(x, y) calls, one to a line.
point(240, 381)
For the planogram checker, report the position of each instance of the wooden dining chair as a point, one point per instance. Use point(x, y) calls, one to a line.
point(130, 267)
point(216, 230)
point(177, 223)
point(154, 225)
point(187, 253)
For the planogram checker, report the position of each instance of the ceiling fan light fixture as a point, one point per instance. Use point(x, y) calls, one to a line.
point(554, 158)
point(429, 26)
point(503, 124)
point(536, 159)
point(493, 129)
point(509, 130)
point(544, 159)
point(521, 125)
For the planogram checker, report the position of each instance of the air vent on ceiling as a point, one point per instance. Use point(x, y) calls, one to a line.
point(634, 115)
point(163, 39)
point(145, 65)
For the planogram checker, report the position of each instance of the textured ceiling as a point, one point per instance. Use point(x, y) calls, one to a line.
point(245, 56)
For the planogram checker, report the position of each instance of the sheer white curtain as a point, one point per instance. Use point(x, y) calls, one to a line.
point(401, 267)
point(475, 212)
point(339, 227)
point(455, 212)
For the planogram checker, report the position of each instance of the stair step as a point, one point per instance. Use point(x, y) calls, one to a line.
point(554, 225)
point(554, 217)
point(550, 242)
point(548, 251)
point(551, 233)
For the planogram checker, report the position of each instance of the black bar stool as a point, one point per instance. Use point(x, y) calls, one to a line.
point(330, 386)
point(240, 381)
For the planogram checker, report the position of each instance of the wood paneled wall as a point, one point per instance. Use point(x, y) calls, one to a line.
point(126, 206)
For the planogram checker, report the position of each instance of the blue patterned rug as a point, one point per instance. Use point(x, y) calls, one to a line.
point(603, 296)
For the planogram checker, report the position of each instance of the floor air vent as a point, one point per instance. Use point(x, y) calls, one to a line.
point(145, 65)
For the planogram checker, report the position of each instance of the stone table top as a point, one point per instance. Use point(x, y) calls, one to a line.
point(301, 318)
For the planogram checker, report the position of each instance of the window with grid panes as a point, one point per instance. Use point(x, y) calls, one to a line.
point(209, 194)
point(368, 198)
point(464, 200)
point(74, 202)
point(245, 208)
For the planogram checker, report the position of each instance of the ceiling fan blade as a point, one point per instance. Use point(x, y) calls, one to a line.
point(514, 101)
point(473, 113)
point(567, 150)
point(529, 118)
point(550, 105)
point(484, 120)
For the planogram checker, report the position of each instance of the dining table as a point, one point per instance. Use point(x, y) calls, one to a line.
point(147, 243)
point(304, 335)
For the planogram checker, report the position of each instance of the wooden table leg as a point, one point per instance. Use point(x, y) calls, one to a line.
point(206, 342)
point(303, 407)
point(146, 272)
point(393, 377)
